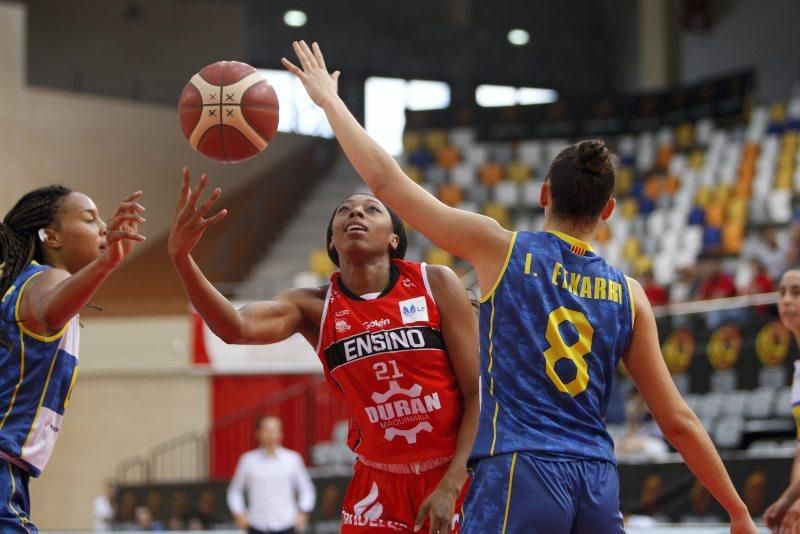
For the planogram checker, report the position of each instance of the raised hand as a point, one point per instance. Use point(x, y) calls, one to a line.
point(189, 224)
point(320, 85)
point(122, 232)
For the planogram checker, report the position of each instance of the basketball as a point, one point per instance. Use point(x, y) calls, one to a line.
point(228, 112)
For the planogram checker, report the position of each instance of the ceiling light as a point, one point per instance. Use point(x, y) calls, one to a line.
point(518, 37)
point(295, 18)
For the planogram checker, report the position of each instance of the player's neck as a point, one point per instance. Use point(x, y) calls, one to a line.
point(367, 277)
point(582, 232)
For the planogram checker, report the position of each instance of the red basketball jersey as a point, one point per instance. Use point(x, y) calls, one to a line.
point(387, 358)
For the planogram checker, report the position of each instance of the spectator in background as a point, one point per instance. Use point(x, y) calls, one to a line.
point(792, 246)
point(771, 251)
point(280, 494)
point(636, 441)
point(103, 507)
point(761, 282)
point(655, 292)
point(145, 521)
point(717, 284)
point(684, 288)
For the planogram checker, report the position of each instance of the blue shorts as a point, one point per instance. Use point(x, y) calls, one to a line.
point(521, 494)
point(15, 502)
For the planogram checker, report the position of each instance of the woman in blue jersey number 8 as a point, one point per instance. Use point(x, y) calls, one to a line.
point(784, 514)
point(555, 319)
point(390, 335)
point(55, 252)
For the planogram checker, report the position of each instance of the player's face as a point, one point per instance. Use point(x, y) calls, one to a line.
point(362, 227)
point(789, 300)
point(80, 232)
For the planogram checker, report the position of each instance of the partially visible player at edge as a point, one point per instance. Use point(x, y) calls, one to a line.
point(398, 343)
point(555, 319)
point(55, 252)
point(784, 514)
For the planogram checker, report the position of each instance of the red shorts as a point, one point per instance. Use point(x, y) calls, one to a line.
point(382, 502)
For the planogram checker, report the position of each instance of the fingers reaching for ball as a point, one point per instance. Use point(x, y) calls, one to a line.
point(190, 221)
point(320, 85)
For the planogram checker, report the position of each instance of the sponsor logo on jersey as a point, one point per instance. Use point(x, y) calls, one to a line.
point(342, 326)
point(383, 341)
point(368, 511)
point(390, 412)
point(414, 310)
point(341, 313)
point(377, 323)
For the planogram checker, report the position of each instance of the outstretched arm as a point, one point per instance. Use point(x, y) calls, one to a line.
point(681, 427)
point(476, 238)
point(54, 297)
point(259, 323)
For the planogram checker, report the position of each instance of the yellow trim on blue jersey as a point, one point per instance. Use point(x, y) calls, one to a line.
point(508, 497)
point(34, 335)
point(486, 297)
point(630, 297)
point(21, 378)
point(22, 520)
point(576, 243)
point(39, 408)
point(491, 379)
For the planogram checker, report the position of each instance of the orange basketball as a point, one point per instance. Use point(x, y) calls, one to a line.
point(228, 112)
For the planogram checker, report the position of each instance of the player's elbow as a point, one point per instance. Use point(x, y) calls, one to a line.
point(680, 425)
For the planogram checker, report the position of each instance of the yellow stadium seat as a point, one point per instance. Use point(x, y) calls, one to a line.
point(630, 208)
point(736, 209)
point(414, 173)
point(411, 141)
point(702, 196)
point(518, 172)
point(783, 180)
point(319, 263)
point(451, 194)
point(437, 256)
point(448, 157)
point(624, 180)
point(497, 212)
point(491, 174)
point(777, 113)
point(684, 135)
point(642, 265)
point(720, 193)
point(631, 249)
point(436, 140)
point(696, 159)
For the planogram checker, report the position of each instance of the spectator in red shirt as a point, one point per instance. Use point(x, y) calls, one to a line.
point(718, 284)
point(656, 293)
point(760, 283)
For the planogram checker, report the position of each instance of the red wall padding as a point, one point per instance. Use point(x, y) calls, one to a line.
point(308, 411)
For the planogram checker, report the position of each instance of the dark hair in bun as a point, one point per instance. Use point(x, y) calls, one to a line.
point(582, 180)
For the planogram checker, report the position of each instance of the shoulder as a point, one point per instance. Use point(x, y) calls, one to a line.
point(303, 295)
point(291, 455)
point(440, 275)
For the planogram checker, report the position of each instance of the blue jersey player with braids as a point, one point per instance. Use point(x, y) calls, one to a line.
point(55, 252)
point(555, 320)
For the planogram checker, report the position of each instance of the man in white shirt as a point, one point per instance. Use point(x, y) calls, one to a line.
point(279, 491)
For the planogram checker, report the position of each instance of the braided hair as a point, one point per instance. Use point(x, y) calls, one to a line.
point(19, 240)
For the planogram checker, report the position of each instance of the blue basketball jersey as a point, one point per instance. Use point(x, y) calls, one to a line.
point(552, 331)
point(35, 383)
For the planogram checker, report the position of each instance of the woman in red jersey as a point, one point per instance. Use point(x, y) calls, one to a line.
point(398, 343)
